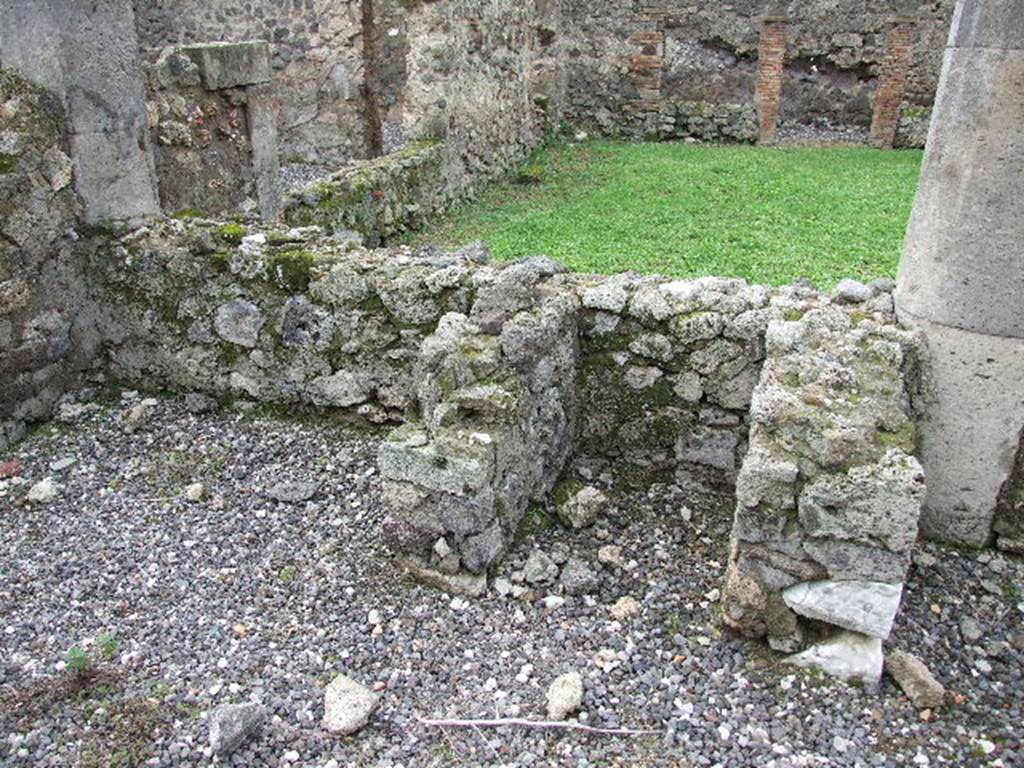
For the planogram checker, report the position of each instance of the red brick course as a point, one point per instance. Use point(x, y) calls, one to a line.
point(771, 57)
point(892, 81)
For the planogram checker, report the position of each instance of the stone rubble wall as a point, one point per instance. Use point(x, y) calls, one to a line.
point(317, 58)
point(509, 377)
point(355, 79)
point(200, 106)
point(498, 410)
point(708, 53)
point(377, 198)
point(47, 331)
point(283, 316)
point(485, 77)
point(829, 494)
point(667, 368)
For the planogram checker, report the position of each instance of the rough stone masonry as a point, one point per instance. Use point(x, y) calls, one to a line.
point(515, 383)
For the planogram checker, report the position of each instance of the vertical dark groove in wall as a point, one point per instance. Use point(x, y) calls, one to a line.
point(371, 81)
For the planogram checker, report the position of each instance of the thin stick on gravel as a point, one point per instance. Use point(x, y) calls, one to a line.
point(517, 722)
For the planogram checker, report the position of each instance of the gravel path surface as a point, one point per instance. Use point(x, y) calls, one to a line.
point(238, 597)
point(821, 132)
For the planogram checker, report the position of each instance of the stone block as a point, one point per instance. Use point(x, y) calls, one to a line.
point(231, 65)
point(867, 607)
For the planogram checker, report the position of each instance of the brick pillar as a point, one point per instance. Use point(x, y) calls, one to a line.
point(646, 65)
point(892, 81)
point(771, 57)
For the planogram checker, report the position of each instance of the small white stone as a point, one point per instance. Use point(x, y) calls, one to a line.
point(194, 492)
point(848, 656)
point(43, 491)
point(553, 601)
point(565, 695)
point(347, 705)
point(441, 548)
point(625, 607)
point(524, 673)
point(866, 607)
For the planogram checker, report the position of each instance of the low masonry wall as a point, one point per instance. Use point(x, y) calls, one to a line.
point(276, 316)
point(377, 198)
point(508, 378)
point(519, 383)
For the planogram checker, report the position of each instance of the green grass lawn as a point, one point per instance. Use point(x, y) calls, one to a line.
point(768, 215)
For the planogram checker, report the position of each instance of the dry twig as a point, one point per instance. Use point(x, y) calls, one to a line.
point(517, 722)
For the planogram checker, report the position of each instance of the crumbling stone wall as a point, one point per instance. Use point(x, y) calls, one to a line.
point(829, 494)
point(508, 377)
point(47, 331)
point(283, 316)
point(667, 370)
point(357, 78)
point(214, 141)
point(377, 198)
point(708, 53)
point(496, 422)
point(316, 56)
point(484, 77)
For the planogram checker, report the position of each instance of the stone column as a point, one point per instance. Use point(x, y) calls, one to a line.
point(892, 81)
point(961, 280)
point(771, 57)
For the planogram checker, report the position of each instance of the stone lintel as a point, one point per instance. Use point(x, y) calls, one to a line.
point(231, 65)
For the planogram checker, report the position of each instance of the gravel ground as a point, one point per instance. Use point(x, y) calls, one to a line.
point(239, 597)
point(821, 132)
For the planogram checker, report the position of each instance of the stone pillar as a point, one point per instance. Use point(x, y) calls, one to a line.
point(892, 81)
point(106, 101)
point(87, 54)
point(263, 138)
point(771, 57)
point(962, 275)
